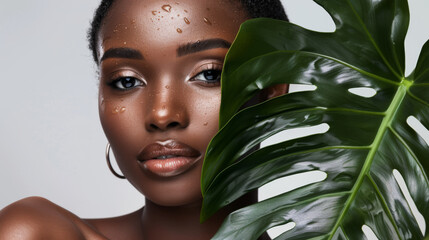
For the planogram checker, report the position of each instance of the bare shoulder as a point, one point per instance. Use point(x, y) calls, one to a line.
point(37, 218)
point(123, 227)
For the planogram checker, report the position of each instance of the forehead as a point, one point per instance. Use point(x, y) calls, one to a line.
point(160, 24)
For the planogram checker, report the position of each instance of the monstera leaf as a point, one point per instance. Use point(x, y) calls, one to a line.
point(369, 138)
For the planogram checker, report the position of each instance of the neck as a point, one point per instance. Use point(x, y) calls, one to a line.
point(183, 222)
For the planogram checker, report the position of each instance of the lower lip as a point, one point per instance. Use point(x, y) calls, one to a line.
point(169, 167)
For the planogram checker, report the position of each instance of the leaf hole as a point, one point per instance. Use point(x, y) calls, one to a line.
point(369, 234)
point(278, 230)
point(404, 189)
point(289, 183)
point(363, 92)
point(420, 129)
point(295, 133)
point(315, 18)
point(301, 88)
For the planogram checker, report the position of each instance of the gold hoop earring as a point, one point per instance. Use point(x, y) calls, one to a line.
point(110, 165)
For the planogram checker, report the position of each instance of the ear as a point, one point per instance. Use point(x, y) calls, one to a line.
point(273, 91)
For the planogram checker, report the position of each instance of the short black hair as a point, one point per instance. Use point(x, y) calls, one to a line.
point(255, 8)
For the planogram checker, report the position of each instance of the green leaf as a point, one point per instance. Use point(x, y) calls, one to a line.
point(368, 138)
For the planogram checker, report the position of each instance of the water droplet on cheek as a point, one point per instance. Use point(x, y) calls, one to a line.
point(186, 20)
point(154, 13)
point(206, 123)
point(207, 21)
point(185, 11)
point(179, 30)
point(116, 110)
point(166, 7)
point(167, 87)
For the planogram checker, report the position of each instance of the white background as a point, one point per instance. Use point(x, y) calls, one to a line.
point(51, 141)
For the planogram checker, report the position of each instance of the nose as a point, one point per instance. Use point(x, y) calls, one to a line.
point(167, 112)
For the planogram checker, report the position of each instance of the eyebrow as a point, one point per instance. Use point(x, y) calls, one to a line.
point(202, 45)
point(122, 53)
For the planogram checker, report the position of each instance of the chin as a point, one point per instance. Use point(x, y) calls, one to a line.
point(184, 189)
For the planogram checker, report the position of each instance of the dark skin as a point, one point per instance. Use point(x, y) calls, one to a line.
point(160, 64)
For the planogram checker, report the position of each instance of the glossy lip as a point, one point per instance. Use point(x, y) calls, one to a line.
point(178, 157)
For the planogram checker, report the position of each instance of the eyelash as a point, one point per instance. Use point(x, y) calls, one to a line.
point(120, 81)
point(212, 67)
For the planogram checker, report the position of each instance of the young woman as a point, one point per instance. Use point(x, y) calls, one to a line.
point(159, 98)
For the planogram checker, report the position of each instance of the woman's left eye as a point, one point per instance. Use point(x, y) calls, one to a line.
point(211, 76)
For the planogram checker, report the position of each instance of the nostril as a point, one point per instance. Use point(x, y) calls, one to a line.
point(164, 127)
point(172, 125)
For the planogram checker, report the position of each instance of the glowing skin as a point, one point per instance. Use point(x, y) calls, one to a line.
point(170, 99)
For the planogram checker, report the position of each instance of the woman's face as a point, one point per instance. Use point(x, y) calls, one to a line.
point(159, 92)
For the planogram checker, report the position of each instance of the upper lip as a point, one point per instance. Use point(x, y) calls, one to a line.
point(167, 148)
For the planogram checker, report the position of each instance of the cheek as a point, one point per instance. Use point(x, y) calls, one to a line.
point(205, 115)
point(121, 119)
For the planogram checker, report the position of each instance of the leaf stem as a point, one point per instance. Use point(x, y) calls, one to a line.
point(386, 123)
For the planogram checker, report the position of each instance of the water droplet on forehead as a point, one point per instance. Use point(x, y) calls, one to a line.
point(166, 7)
point(154, 13)
point(186, 20)
point(206, 123)
point(206, 20)
point(179, 30)
point(123, 109)
point(185, 11)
